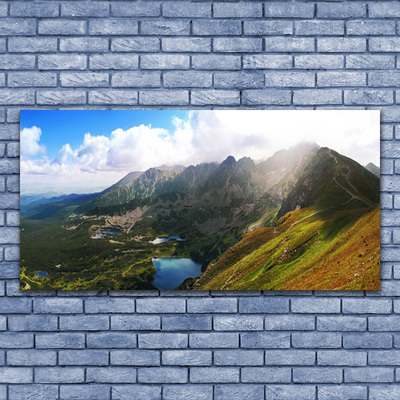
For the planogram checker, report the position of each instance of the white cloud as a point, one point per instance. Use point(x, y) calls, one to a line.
point(204, 136)
point(30, 146)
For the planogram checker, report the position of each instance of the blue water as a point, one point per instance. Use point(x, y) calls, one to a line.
point(42, 274)
point(171, 272)
point(108, 231)
point(166, 239)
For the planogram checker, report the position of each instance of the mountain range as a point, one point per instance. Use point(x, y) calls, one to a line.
point(305, 218)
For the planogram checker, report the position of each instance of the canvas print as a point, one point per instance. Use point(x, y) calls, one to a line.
point(200, 200)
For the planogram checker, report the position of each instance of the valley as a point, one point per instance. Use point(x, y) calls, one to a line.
point(305, 218)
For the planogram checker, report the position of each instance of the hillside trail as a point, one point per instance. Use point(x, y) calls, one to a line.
point(338, 173)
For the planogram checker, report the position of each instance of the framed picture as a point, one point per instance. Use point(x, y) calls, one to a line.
point(200, 200)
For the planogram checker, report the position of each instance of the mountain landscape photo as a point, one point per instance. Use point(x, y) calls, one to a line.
point(200, 200)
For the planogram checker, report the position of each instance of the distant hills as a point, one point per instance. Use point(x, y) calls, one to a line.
point(305, 218)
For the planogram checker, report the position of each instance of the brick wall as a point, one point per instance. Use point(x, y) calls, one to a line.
point(199, 345)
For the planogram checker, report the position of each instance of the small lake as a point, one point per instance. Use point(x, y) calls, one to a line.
point(171, 272)
point(166, 239)
point(103, 232)
point(42, 274)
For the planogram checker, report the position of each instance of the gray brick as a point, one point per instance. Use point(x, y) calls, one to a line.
point(365, 27)
point(288, 10)
point(289, 79)
point(290, 392)
point(16, 375)
point(187, 323)
point(387, 44)
point(83, 79)
point(368, 97)
point(186, 79)
point(212, 305)
point(111, 340)
point(367, 306)
point(289, 323)
point(268, 28)
point(96, 391)
point(135, 44)
point(240, 323)
point(59, 375)
point(32, 323)
point(263, 375)
point(136, 392)
point(214, 97)
point(368, 374)
point(267, 61)
point(341, 323)
point(163, 341)
point(318, 27)
point(111, 375)
point(214, 375)
point(162, 375)
point(135, 357)
point(64, 97)
point(238, 357)
point(34, 79)
point(342, 358)
point(85, 9)
point(32, 391)
point(34, 9)
point(31, 357)
point(16, 340)
point(265, 340)
point(384, 78)
point(179, 9)
point(235, 392)
point(317, 375)
point(84, 322)
point(318, 340)
point(348, 392)
point(384, 10)
point(387, 323)
point(341, 45)
point(109, 305)
point(13, 184)
point(237, 10)
point(262, 96)
point(83, 357)
point(287, 45)
point(194, 45)
point(165, 28)
point(61, 340)
point(113, 27)
point(319, 61)
point(17, 61)
point(367, 341)
point(215, 62)
point(325, 306)
point(179, 392)
point(317, 97)
point(237, 45)
point(217, 27)
point(381, 392)
point(342, 78)
point(135, 322)
point(32, 45)
point(87, 45)
point(19, 26)
point(61, 27)
point(8, 167)
point(263, 305)
point(384, 357)
point(339, 11)
point(61, 61)
point(15, 305)
point(113, 61)
point(369, 61)
point(186, 357)
point(290, 357)
point(214, 340)
point(386, 169)
point(164, 61)
point(154, 98)
point(135, 9)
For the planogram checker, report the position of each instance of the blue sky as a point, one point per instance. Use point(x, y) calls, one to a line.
point(86, 151)
point(68, 126)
